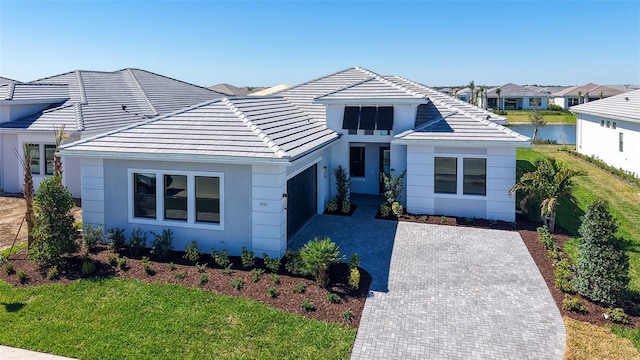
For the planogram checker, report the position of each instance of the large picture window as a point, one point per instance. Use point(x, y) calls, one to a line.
point(182, 197)
point(356, 161)
point(474, 176)
point(446, 175)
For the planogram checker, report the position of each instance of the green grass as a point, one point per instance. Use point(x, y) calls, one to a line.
point(8, 251)
point(120, 319)
point(522, 117)
point(624, 201)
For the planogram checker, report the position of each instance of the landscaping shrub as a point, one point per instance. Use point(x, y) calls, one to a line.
point(248, 258)
point(301, 288)
point(294, 263)
point(332, 205)
point(619, 172)
point(203, 279)
point(273, 264)
point(171, 266)
point(88, 267)
point(393, 186)
point(237, 283)
point(347, 315)
point(91, 237)
point(22, 277)
point(8, 268)
point(385, 210)
point(343, 182)
point(617, 315)
point(192, 252)
point(397, 209)
point(346, 206)
point(115, 239)
point(546, 238)
point(573, 304)
point(354, 278)
point(113, 259)
point(275, 278)
point(162, 243)
point(602, 269)
point(137, 241)
point(201, 267)
point(53, 273)
point(308, 306)
point(122, 263)
point(181, 275)
point(227, 270)
point(272, 292)
point(333, 298)
point(354, 261)
point(443, 219)
point(146, 266)
point(53, 233)
point(220, 258)
point(318, 255)
point(255, 274)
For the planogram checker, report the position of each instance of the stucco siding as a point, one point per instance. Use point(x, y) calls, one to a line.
point(234, 232)
point(11, 171)
point(593, 139)
point(269, 216)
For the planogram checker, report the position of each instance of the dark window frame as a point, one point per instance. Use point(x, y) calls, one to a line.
point(442, 181)
point(470, 181)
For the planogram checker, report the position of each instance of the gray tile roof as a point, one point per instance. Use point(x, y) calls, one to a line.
point(281, 127)
point(592, 89)
point(514, 90)
point(231, 90)
point(34, 92)
point(624, 107)
point(4, 80)
point(107, 100)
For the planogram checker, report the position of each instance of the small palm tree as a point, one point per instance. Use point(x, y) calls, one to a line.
point(61, 137)
point(498, 92)
point(537, 121)
point(28, 190)
point(549, 181)
point(472, 85)
point(318, 255)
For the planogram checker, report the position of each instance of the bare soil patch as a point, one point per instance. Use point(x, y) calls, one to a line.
point(12, 209)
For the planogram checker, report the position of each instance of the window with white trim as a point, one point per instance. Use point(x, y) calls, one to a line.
point(474, 176)
point(176, 197)
point(39, 152)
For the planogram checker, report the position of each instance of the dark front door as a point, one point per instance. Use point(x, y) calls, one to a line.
point(385, 165)
point(302, 198)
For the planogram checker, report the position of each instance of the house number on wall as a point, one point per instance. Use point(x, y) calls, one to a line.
point(264, 203)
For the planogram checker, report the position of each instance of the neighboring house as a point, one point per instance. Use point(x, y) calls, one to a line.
point(610, 129)
point(516, 97)
point(86, 103)
point(270, 90)
point(576, 95)
point(230, 90)
point(251, 172)
point(465, 94)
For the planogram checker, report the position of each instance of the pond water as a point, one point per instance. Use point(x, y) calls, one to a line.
point(563, 134)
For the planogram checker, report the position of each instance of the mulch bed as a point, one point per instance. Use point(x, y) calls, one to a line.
point(527, 230)
point(288, 299)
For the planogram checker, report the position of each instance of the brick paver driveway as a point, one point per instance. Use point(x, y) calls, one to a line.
point(446, 292)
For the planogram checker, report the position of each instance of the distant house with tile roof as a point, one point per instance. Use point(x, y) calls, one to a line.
point(86, 103)
point(251, 171)
point(230, 90)
point(610, 129)
point(580, 94)
point(516, 97)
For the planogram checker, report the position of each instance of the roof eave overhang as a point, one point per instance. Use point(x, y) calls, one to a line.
point(463, 143)
point(604, 115)
point(34, 101)
point(239, 160)
point(372, 101)
point(33, 131)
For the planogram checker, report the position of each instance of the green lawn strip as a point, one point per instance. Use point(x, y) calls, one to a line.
point(119, 319)
point(522, 117)
point(632, 334)
point(8, 251)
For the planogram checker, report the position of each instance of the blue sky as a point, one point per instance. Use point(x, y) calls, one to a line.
point(268, 43)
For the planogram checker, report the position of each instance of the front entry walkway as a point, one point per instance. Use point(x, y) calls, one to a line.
point(446, 292)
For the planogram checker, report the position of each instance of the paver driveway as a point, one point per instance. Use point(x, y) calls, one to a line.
point(446, 292)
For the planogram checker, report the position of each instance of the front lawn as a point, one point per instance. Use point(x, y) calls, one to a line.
point(122, 318)
point(552, 117)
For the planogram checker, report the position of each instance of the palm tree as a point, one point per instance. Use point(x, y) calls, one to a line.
point(472, 86)
point(537, 121)
point(61, 137)
point(498, 91)
point(549, 181)
point(28, 190)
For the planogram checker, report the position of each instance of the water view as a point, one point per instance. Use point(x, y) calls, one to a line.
point(563, 134)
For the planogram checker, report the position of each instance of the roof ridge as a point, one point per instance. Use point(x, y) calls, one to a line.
point(346, 87)
point(389, 82)
point(141, 89)
point(79, 118)
point(11, 87)
point(83, 94)
point(259, 132)
point(317, 79)
point(170, 78)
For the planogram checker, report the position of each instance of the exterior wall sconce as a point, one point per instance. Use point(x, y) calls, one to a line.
point(284, 200)
point(324, 171)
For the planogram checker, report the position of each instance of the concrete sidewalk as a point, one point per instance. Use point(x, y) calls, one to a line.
point(9, 353)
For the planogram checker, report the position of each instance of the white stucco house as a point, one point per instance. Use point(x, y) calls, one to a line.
point(251, 171)
point(516, 97)
point(610, 130)
point(86, 103)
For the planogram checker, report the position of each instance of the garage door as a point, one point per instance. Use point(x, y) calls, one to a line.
point(302, 197)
